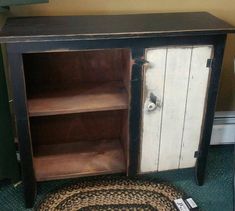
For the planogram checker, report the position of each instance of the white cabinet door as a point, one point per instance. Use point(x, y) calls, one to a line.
point(174, 94)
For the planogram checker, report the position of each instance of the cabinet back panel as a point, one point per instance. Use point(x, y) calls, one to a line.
point(77, 127)
point(62, 70)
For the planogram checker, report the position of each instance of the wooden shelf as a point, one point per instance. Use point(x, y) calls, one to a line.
point(82, 158)
point(86, 97)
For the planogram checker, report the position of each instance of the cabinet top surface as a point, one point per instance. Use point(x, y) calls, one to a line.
point(31, 29)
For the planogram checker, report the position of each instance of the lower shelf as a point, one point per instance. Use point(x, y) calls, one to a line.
point(84, 158)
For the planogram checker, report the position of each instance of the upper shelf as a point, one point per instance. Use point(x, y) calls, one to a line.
point(84, 98)
point(29, 29)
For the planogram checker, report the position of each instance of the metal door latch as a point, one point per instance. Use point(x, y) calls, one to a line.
point(141, 61)
point(153, 103)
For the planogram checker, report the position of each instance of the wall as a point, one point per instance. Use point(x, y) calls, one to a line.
point(221, 8)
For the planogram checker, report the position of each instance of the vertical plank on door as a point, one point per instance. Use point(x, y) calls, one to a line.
point(154, 76)
point(176, 83)
point(197, 91)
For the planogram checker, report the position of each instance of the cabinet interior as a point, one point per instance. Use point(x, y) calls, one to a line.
point(78, 106)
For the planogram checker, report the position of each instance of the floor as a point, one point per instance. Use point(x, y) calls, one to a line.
point(215, 195)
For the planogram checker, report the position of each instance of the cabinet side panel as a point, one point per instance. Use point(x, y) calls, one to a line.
point(23, 131)
point(197, 92)
point(177, 73)
point(154, 77)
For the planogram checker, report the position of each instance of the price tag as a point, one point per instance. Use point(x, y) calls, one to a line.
point(187, 204)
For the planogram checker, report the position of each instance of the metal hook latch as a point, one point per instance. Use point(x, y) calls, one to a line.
point(153, 102)
point(141, 61)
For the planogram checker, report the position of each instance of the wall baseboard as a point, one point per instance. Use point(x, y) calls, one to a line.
point(223, 128)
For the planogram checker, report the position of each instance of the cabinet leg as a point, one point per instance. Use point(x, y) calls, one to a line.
point(200, 168)
point(30, 192)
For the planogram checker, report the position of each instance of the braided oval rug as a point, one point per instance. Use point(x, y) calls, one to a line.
point(112, 194)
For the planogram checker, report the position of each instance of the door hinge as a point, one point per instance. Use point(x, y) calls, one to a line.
point(197, 154)
point(209, 63)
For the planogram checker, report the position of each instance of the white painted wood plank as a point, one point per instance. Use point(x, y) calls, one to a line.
point(197, 91)
point(153, 82)
point(177, 73)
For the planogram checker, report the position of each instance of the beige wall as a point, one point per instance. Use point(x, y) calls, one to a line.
point(221, 8)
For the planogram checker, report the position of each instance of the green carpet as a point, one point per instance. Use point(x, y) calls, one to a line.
point(215, 195)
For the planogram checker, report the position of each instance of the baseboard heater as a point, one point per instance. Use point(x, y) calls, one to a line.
point(223, 128)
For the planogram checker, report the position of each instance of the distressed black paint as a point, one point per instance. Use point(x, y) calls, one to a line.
point(23, 129)
point(132, 32)
point(111, 26)
point(135, 112)
point(210, 109)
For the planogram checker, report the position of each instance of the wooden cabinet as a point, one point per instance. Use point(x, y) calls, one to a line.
point(113, 94)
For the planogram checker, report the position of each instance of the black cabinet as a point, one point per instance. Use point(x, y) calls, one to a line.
point(81, 86)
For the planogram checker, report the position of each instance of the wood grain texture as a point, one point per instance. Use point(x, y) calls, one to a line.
point(84, 98)
point(81, 81)
point(195, 107)
point(154, 78)
point(64, 70)
point(82, 158)
point(91, 126)
point(111, 26)
point(90, 91)
point(125, 136)
point(177, 132)
point(177, 73)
